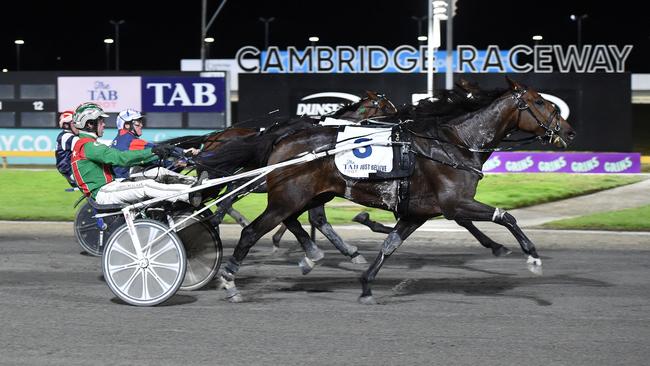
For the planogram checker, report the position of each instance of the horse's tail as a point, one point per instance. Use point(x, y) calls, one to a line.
point(233, 155)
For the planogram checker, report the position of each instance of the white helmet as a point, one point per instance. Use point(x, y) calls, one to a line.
point(127, 115)
point(65, 117)
point(87, 112)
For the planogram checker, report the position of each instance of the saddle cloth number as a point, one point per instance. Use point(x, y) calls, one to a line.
point(359, 162)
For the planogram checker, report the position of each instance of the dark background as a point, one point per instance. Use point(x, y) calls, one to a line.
point(68, 35)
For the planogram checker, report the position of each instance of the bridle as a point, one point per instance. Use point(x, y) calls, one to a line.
point(550, 132)
point(381, 106)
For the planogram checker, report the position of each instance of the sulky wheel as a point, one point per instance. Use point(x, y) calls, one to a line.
point(203, 248)
point(92, 234)
point(149, 280)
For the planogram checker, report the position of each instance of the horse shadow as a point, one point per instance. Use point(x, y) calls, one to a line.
point(392, 287)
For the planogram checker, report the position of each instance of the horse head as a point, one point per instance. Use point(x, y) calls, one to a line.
point(539, 116)
point(371, 106)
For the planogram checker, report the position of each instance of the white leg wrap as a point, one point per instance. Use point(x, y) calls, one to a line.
point(535, 261)
point(306, 265)
point(498, 214)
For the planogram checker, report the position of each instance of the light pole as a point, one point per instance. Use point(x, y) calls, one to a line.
point(108, 42)
point(313, 40)
point(437, 13)
point(116, 24)
point(578, 19)
point(537, 38)
point(18, 42)
point(266, 22)
point(419, 21)
point(208, 42)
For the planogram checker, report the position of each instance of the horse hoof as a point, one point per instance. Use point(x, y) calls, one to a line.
point(236, 299)
point(501, 251)
point(275, 249)
point(316, 255)
point(533, 260)
point(535, 269)
point(361, 217)
point(306, 265)
point(358, 259)
point(367, 300)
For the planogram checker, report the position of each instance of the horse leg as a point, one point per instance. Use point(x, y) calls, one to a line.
point(238, 217)
point(312, 252)
point(476, 211)
point(269, 219)
point(497, 249)
point(364, 219)
point(402, 230)
point(318, 219)
point(278, 236)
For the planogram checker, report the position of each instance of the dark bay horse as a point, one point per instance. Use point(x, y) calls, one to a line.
point(222, 156)
point(447, 170)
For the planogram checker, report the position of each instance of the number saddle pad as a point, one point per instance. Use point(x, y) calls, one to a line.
point(376, 161)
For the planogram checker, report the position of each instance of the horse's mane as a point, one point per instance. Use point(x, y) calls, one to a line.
point(349, 107)
point(446, 106)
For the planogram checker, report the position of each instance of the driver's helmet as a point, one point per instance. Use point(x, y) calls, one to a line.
point(87, 112)
point(127, 115)
point(65, 117)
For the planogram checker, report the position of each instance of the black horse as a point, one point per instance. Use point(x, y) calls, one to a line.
point(449, 154)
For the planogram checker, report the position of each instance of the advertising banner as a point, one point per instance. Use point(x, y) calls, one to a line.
point(557, 162)
point(112, 93)
point(42, 140)
point(184, 94)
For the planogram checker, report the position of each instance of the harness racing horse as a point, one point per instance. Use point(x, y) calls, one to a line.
point(465, 97)
point(251, 149)
point(447, 170)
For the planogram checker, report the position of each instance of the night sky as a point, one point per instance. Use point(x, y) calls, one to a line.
point(156, 35)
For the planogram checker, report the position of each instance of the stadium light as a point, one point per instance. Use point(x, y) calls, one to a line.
point(108, 42)
point(578, 19)
point(18, 42)
point(208, 42)
point(5, 70)
point(419, 21)
point(422, 38)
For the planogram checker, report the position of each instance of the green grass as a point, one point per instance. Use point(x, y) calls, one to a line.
point(520, 190)
point(40, 195)
point(632, 219)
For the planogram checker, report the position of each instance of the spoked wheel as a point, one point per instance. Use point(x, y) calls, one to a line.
point(92, 234)
point(203, 248)
point(149, 280)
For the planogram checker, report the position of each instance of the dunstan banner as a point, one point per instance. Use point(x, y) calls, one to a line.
point(556, 162)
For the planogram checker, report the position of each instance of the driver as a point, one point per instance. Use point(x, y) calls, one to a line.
point(64, 143)
point(130, 123)
point(92, 160)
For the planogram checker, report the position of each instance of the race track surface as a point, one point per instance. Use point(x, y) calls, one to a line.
point(443, 300)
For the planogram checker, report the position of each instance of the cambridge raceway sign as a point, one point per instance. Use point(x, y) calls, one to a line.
point(408, 59)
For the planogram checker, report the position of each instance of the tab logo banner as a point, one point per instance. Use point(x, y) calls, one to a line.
point(183, 94)
point(112, 93)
